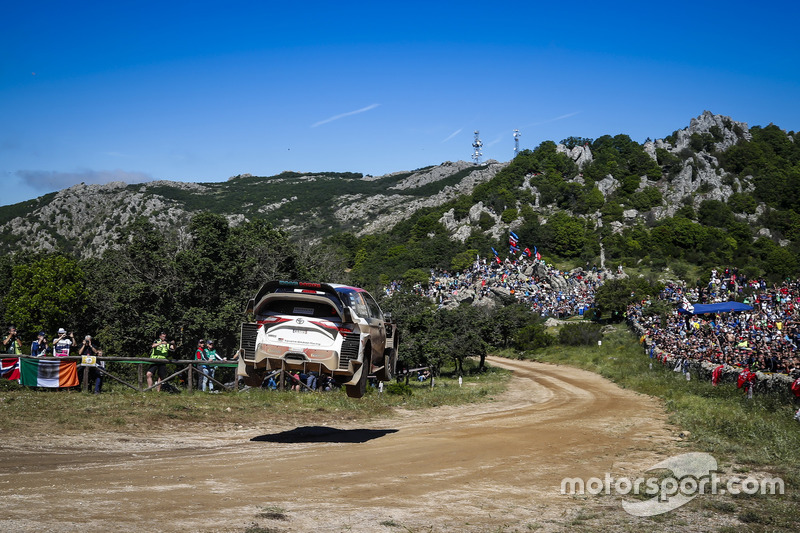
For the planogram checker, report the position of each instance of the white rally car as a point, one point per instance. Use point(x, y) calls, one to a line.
point(324, 327)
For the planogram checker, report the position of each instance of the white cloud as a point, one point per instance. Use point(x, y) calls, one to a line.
point(343, 115)
point(497, 140)
point(459, 130)
point(547, 121)
point(48, 180)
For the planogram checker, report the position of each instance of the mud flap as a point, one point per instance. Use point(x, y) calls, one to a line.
point(241, 369)
point(356, 374)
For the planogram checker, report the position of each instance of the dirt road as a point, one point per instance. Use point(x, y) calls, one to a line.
point(493, 466)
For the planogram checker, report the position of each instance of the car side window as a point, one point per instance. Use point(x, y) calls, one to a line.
point(374, 310)
point(355, 301)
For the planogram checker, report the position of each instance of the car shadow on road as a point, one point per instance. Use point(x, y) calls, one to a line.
point(324, 434)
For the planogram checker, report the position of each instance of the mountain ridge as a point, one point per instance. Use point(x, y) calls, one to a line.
point(650, 182)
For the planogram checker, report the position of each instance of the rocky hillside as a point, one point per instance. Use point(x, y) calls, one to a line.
point(609, 182)
point(86, 219)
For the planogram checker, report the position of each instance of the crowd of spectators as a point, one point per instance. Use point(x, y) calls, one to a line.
point(549, 291)
point(764, 339)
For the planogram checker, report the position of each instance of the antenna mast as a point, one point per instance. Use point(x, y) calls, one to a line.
point(516, 142)
point(477, 144)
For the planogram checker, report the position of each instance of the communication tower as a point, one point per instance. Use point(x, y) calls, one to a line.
point(477, 144)
point(516, 142)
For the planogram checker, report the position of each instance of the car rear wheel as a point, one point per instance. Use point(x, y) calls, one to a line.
point(389, 361)
point(255, 377)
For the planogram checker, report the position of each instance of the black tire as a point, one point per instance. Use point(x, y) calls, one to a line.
point(360, 389)
point(389, 361)
point(255, 377)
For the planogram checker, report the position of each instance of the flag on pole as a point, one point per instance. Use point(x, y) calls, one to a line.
point(9, 368)
point(527, 252)
point(38, 373)
point(512, 239)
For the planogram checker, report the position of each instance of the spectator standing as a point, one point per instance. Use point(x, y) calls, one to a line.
point(199, 355)
point(98, 375)
point(89, 348)
point(39, 346)
point(210, 371)
point(11, 344)
point(159, 350)
point(63, 343)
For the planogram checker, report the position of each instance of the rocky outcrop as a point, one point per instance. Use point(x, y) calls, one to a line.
point(579, 154)
point(379, 213)
point(729, 131)
point(87, 218)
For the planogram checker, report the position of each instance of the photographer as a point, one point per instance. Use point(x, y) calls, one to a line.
point(90, 348)
point(159, 350)
point(87, 348)
point(11, 344)
point(63, 343)
point(39, 346)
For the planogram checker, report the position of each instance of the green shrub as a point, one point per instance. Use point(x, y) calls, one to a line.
point(591, 314)
point(580, 334)
point(509, 215)
point(400, 389)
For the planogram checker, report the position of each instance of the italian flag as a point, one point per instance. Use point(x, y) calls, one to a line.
point(38, 373)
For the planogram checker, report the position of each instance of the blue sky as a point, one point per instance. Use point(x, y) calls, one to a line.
point(201, 91)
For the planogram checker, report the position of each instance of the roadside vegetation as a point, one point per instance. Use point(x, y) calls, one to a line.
point(720, 420)
point(746, 436)
point(65, 411)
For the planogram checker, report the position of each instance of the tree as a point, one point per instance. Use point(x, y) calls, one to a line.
point(463, 260)
point(412, 276)
point(506, 321)
point(613, 298)
point(567, 235)
point(715, 213)
point(133, 291)
point(46, 294)
point(781, 263)
point(467, 324)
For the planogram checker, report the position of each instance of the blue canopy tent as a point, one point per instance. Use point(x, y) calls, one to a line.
point(724, 307)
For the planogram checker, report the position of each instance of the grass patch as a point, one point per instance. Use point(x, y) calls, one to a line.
point(756, 434)
point(41, 410)
point(721, 421)
point(272, 512)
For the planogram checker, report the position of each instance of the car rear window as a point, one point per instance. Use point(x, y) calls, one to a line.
point(300, 308)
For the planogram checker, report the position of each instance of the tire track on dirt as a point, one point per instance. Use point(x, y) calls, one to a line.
point(473, 464)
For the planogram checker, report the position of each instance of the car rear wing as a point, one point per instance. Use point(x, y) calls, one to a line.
point(273, 286)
